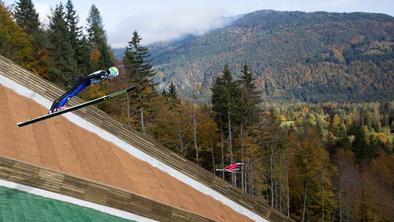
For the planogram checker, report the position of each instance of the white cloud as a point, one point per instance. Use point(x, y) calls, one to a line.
point(166, 25)
point(160, 20)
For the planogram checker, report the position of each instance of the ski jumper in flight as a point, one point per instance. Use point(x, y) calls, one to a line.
point(81, 84)
point(233, 166)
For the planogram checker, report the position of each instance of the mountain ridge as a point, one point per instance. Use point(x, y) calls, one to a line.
point(313, 57)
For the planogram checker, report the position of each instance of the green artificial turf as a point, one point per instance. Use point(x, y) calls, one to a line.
point(19, 206)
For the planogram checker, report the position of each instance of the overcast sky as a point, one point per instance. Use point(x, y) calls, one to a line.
point(160, 20)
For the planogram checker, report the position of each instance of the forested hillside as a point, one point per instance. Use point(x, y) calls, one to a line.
point(327, 161)
point(297, 56)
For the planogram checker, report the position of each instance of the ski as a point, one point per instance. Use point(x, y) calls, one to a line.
point(73, 108)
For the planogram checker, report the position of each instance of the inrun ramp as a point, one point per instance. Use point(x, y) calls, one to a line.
point(89, 144)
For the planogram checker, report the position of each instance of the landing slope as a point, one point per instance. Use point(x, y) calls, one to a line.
point(22, 206)
point(91, 145)
point(61, 145)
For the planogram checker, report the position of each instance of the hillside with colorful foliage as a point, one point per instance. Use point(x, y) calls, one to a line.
point(331, 160)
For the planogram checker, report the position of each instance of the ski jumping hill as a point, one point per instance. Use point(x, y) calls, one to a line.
point(86, 165)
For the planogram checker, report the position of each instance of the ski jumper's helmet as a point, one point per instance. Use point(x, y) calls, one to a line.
point(113, 72)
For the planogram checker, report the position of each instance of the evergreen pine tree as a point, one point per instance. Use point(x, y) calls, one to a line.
point(72, 20)
point(249, 110)
point(100, 54)
point(82, 54)
point(139, 72)
point(250, 97)
point(173, 100)
point(226, 103)
point(77, 40)
point(26, 17)
point(61, 56)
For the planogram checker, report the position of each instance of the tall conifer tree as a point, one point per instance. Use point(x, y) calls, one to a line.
point(249, 108)
point(77, 40)
point(250, 97)
point(225, 104)
point(139, 72)
point(61, 55)
point(72, 20)
point(27, 17)
point(249, 112)
point(100, 54)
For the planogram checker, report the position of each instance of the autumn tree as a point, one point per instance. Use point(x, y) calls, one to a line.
point(312, 188)
point(269, 155)
point(26, 16)
point(15, 44)
point(167, 129)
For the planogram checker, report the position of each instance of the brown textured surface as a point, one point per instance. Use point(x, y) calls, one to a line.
point(59, 144)
point(81, 188)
